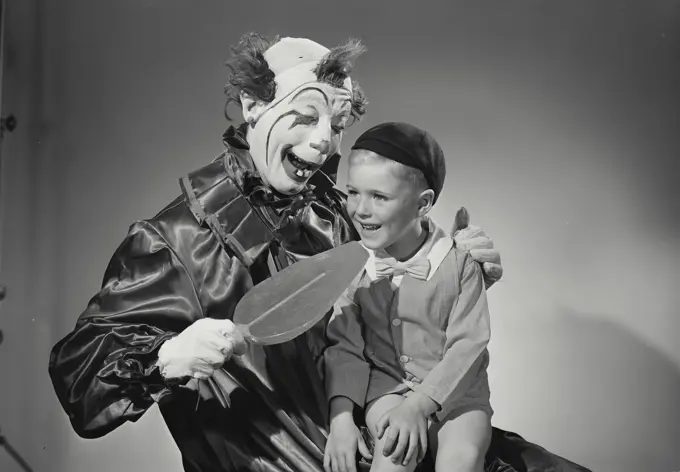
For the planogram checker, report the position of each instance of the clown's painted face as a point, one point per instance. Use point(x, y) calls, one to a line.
point(293, 138)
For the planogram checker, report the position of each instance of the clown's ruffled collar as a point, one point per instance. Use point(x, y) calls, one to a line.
point(229, 196)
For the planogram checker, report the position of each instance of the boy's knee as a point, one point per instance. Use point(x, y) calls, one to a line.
point(461, 457)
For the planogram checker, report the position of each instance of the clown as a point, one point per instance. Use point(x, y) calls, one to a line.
point(293, 133)
point(159, 331)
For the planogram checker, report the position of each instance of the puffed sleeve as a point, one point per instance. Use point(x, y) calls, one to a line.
point(347, 371)
point(104, 371)
point(467, 337)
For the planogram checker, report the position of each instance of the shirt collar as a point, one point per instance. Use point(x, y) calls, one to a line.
point(437, 245)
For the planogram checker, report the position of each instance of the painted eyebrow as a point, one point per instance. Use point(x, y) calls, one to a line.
point(307, 89)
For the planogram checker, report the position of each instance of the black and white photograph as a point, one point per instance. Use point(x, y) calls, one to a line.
point(351, 236)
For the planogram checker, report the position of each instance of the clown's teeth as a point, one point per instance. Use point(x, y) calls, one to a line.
point(303, 173)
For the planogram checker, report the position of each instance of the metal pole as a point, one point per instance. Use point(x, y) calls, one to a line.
point(6, 124)
point(2, 124)
point(14, 454)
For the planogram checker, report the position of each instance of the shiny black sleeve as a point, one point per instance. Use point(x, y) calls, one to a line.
point(104, 371)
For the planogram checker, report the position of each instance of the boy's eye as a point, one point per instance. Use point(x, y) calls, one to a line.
point(338, 129)
point(351, 192)
point(377, 196)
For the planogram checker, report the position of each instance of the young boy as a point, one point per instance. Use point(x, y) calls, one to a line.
point(408, 340)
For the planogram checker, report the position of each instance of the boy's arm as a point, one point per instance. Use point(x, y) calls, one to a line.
point(346, 368)
point(467, 337)
point(341, 406)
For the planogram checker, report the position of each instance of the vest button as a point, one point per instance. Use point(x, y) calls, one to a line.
point(404, 359)
point(396, 322)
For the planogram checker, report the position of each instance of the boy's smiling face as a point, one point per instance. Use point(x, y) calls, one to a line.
point(385, 204)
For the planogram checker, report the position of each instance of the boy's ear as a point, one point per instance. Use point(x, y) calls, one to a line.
point(252, 107)
point(425, 202)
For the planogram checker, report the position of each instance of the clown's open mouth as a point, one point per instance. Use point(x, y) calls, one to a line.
point(296, 168)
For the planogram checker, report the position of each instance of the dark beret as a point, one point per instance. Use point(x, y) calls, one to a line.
point(409, 145)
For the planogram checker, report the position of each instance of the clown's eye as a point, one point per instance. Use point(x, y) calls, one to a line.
point(301, 119)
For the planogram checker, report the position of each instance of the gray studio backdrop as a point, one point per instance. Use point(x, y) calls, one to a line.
point(560, 125)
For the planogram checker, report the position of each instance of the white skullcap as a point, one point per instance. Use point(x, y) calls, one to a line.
point(293, 61)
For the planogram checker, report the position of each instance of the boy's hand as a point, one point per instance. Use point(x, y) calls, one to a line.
point(474, 240)
point(341, 447)
point(405, 428)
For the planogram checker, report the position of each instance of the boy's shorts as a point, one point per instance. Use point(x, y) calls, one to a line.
point(478, 396)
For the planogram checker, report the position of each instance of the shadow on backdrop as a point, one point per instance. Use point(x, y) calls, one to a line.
point(622, 412)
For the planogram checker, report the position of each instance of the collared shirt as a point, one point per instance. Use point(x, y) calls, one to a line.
point(392, 336)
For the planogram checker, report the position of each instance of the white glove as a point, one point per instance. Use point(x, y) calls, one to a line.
point(200, 349)
point(474, 240)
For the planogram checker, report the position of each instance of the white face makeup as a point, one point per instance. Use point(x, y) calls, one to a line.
point(293, 139)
